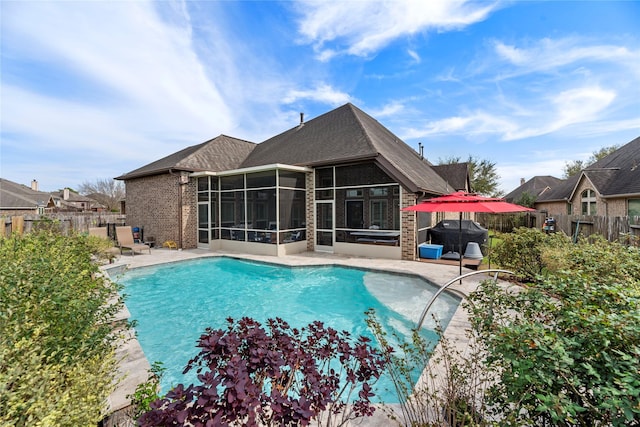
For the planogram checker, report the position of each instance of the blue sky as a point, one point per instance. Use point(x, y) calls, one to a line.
point(94, 89)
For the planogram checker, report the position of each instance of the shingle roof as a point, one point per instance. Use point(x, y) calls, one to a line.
point(536, 186)
point(617, 174)
point(455, 174)
point(19, 196)
point(348, 134)
point(218, 154)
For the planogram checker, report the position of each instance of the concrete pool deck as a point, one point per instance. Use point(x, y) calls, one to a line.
point(134, 366)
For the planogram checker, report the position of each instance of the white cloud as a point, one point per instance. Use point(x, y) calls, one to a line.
point(389, 110)
point(414, 55)
point(548, 55)
point(380, 22)
point(471, 126)
point(322, 92)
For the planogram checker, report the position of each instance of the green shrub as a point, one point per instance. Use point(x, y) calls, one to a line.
point(566, 348)
point(528, 252)
point(57, 361)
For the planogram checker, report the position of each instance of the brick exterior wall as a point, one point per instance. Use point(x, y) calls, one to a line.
point(190, 214)
point(153, 204)
point(311, 226)
point(408, 226)
point(605, 207)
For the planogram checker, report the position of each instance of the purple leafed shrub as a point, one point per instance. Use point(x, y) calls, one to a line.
point(276, 375)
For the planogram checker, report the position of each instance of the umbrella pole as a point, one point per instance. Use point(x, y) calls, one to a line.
point(460, 242)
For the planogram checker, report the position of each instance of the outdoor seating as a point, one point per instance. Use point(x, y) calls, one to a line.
point(101, 232)
point(124, 235)
point(98, 232)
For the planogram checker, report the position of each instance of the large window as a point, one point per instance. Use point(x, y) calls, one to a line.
point(588, 201)
point(245, 207)
point(367, 203)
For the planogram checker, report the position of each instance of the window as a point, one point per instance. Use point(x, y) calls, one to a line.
point(355, 213)
point(292, 209)
point(261, 179)
point(379, 213)
point(324, 178)
point(378, 191)
point(291, 179)
point(634, 207)
point(588, 200)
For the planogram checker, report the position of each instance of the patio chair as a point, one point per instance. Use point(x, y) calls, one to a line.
point(98, 232)
point(101, 232)
point(124, 235)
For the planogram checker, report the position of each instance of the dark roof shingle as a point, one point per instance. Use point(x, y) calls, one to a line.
point(218, 154)
point(348, 134)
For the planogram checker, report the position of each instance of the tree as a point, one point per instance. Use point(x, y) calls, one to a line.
point(575, 166)
point(106, 191)
point(483, 175)
point(526, 199)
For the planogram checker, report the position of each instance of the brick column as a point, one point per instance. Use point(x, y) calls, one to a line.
point(311, 226)
point(408, 226)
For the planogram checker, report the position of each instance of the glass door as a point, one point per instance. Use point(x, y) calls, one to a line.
point(324, 226)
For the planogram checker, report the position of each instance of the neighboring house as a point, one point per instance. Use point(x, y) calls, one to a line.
point(535, 187)
point(18, 199)
point(67, 200)
point(608, 188)
point(336, 183)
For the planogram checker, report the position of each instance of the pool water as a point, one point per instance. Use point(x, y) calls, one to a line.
point(173, 304)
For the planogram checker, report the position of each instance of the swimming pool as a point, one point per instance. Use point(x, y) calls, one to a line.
point(173, 304)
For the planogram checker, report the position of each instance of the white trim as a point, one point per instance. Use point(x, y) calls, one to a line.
point(274, 166)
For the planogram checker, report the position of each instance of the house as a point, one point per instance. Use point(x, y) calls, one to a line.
point(610, 187)
point(336, 183)
point(534, 188)
point(18, 199)
point(67, 200)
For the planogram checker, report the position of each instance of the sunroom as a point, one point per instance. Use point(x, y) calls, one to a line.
point(283, 209)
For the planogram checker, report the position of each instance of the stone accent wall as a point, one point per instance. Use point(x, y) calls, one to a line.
point(408, 226)
point(152, 203)
point(311, 225)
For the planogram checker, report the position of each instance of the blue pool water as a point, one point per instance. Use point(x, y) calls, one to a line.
point(174, 303)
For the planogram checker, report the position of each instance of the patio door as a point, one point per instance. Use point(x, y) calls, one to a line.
point(325, 235)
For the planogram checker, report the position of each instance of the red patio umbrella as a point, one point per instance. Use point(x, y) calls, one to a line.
point(466, 202)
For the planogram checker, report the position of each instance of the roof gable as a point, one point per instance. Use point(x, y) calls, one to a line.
point(218, 154)
point(616, 175)
point(456, 174)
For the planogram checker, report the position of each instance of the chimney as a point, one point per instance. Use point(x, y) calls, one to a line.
point(65, 194)
point(301, 119)
point(34, 185)
point(522, 181)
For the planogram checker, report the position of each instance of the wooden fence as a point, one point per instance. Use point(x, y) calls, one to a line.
point(621, 229)
point(64, 222)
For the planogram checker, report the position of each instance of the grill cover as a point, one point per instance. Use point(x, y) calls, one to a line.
point(446, 233)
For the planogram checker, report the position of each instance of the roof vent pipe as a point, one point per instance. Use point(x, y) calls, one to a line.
point(301, 119)
point(421, 150)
